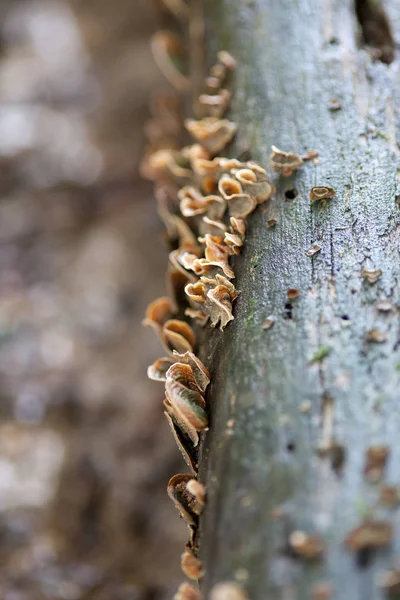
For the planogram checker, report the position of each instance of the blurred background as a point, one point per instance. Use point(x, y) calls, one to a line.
point(85, 453)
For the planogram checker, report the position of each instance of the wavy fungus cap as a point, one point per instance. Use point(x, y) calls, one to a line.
point(215, 105)
point(201, 373)
point(185, 405)
point(227, 60)
point(212, 227)
point(196, 292)
point(307, 546)
point(191, 566)
point(203, 166)
point(183, 373)
point(155, 164)
point(157, 371)
point(228, 187)
point(193, 203)
point(181, 498)
point(227, 164)
point(284, 163)
point(158, 312)
point(255, 183)
point(321, 192)
point(228, 590)
point(212, 133)
point(217, 254)
point(233, 241)
point(187, 592)
point(372, 534)
point(238, 226)
point(241, 205)
point(176, 257)
point(221, 307)
point(179, 335)
point(195, 152)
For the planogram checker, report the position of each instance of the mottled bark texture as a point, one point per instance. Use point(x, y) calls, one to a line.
point(307, 81)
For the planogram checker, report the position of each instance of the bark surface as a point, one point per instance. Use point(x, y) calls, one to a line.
point(305, 82)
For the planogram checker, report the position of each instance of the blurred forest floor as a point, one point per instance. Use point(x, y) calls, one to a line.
point(85, 454)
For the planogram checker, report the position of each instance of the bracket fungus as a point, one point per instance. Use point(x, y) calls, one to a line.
point(371, 534)
point(226, 59)
point(292, 294)
point(221, 307)
point(241, 205)
point(212, 227)
point(375, 336)
point(187, 592)
point(157, 371)
point(371, 275)
point(255, 182)
point(284, 163)
point(187, 406)
point(322, 591)
point(315, 248)
point(179, 335)
point(200, 372)
point(191, 566)
point(228, 590)
point(304, 545)
point(321, 192)
point(174, 334)
point(229, 187)
point(215, 105)
point(212, 133)
point(183, 501)
point(389, 581)
point(158, 312)
point(376, 458)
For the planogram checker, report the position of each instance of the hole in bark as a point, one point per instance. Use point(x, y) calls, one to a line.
point(291, 447)
point(338, 458)
point(364, 558)
point(345, 318)
point(288, 310)
point(244, 155)
point(375, 28)
point(291, 194)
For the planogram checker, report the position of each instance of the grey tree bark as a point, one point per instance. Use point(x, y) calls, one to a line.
point(311, 394)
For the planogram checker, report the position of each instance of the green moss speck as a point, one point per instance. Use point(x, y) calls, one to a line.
point(320, 354)
point(362, 508)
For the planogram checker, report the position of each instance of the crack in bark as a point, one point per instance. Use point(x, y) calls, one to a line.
point(376, 29)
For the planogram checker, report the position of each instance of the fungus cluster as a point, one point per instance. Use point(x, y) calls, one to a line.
point(203, 200)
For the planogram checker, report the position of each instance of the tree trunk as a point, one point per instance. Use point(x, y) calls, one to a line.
point(311, 394)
